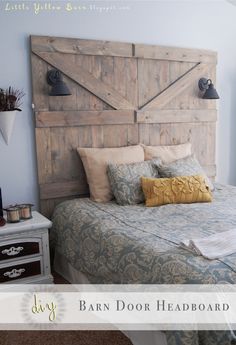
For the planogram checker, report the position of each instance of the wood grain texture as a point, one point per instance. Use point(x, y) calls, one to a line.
point(201, 136)
point(175, 116)
point(85, 99)
point(176, 88)
point(40, 89)
point(121, 94)
point(63, 189)
point(191, 98)
point(154, 78)
point(80, 46)
point(82, 118)
point(103, 91)
point(175, 54)
point(44, 154)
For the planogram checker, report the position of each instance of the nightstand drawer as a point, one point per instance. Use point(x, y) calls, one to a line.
point(24, 252)
point(19, 271)
point(19, 248)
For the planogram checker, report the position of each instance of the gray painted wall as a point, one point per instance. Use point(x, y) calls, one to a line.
point(193, 24)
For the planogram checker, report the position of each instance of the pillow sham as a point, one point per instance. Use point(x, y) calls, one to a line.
point(167, 153)
point(175, 190)
point(184, 167)
point(95, 161)
point(125, 180)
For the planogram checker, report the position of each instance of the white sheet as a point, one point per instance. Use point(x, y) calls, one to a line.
point(213, 247)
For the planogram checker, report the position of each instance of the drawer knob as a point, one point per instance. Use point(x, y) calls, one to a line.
point(12, 251)
point(14, 273)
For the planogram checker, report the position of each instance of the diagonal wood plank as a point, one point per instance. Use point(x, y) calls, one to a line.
point(100, 89)
point(176, 88)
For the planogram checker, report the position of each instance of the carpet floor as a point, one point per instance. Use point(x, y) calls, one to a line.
point(63, 338)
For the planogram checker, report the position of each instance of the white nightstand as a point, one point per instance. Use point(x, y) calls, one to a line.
point(24, 251)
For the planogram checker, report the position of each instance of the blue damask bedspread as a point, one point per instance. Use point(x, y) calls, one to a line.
point(136, 244)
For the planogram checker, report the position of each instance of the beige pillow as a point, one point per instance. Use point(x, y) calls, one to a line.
point(168, 153)
point(96, 160)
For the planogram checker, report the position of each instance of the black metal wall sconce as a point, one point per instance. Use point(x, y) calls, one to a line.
point(59, 87)
point(207, 86)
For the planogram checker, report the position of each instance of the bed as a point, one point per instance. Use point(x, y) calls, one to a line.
point(109, 243)
point(136, 244)
point(123, 94)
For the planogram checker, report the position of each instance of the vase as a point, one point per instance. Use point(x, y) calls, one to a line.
point(7, 119)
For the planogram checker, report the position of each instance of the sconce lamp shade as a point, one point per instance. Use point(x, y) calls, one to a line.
point(211, 93)
point(207, 86)
point(59, 87)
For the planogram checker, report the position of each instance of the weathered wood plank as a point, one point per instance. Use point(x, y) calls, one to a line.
point(175, 89)
point(47, 207)
point(153, 78)
point(154, 134)
point(105, 92)
point(66, 163)
point(191, 98)
point(201, 135)
point(97, 136)
point(124, 77)
point(175, 116)
point(62, 189)
point(203, 141)
point(131, 83)
point(44, 154)
point(85, 99)
point(39, 86)
point(82, 118)
point(62, 154)
point(80, 46)
point(133, 134)
point(115, 135)
point(174, 54)
point(107, 72)
point(144, 133)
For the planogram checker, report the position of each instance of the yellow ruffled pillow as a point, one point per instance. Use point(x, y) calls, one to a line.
point(175, 190)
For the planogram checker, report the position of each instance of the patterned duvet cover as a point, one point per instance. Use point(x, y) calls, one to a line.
point(140, 245)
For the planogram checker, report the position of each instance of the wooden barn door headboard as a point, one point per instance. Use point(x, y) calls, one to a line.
point(122, 94)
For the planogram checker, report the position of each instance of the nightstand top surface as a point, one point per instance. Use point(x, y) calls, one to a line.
point(38, 221)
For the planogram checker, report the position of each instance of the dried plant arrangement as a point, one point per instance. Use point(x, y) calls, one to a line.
point(11, 99)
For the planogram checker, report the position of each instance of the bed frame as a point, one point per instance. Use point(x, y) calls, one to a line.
point(121, 94)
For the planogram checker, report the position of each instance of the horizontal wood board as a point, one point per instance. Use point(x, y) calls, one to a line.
point(121, 94)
